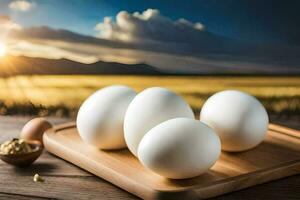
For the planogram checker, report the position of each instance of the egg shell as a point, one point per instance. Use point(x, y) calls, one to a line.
point(34, 129)
point(100, 117)
point(148, 109)
point(238, 118)
point(179, 148)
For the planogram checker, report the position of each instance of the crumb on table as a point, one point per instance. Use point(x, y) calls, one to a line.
point(38, 178)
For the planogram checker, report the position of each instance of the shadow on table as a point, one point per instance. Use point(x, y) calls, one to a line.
point(36, 168)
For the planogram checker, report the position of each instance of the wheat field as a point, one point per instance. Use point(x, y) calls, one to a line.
point(62, 95)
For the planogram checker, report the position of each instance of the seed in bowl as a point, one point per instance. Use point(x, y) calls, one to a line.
point(16, 147)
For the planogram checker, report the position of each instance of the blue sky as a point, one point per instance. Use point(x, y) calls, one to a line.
point(188, 36)
point(269, 21)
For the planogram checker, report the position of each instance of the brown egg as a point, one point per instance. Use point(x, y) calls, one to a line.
point(34, 129)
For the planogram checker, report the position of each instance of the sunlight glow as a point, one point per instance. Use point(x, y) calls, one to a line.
point(2, 50)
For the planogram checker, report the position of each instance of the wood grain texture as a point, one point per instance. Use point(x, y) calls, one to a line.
point(276, 157)
point(21, 185)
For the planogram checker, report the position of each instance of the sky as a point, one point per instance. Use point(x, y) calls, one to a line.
point(176, 35)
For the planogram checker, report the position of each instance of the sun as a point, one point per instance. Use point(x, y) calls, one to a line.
point(2, 50)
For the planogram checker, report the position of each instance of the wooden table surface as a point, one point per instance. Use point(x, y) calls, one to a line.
point(66, 181)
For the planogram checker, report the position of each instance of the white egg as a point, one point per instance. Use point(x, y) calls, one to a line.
point(238, 118)
point(100, 117)
point(148, 109)
point(179, 148)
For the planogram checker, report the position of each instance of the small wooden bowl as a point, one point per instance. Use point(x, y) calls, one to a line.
point(24, 160)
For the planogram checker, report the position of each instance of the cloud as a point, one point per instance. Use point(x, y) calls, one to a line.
point(7, 25)
point(147, 26)
point(4, 19)
point(31, 49)
point(21, 5)
point(154, 31)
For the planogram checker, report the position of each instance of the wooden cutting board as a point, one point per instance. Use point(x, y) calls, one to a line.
point(277, 157)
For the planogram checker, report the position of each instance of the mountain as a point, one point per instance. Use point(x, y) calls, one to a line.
point(21, 65)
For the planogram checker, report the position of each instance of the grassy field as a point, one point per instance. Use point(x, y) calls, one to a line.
point(62, 95)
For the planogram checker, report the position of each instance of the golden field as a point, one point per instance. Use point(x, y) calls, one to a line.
point(62, 95)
